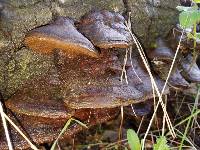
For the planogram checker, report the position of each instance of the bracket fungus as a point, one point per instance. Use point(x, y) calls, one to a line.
point(41, 114)
point(161, 59)
point(187, 64)
point(190, 70)
point(60, 34)
point(89, 81)
point(105, 29)
point(44, 130)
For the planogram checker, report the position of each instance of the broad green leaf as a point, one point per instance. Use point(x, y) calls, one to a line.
point(161, 144)
point(188, 18)
point(133, 140)
point(196, 1)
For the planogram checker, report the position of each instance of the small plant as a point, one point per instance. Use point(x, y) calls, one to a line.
point(161, 144)
point(135, 144)
point(133, 140)
point(189, 18)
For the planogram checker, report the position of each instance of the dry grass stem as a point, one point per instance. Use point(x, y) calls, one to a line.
point(5, 127)
point(124, 68)
point(121, 124)
point(140, 125)
point(144, 59)
point(133, 110)
point(130, 56)
point(20, 132)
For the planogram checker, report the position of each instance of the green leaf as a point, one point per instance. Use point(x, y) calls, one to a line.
point(161, 144)
point(188, 18)
point(133, 140)
point(196, 1)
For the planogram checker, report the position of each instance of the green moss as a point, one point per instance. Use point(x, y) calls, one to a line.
point(23, 67)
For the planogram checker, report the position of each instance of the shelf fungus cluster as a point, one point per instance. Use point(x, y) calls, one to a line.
point(86, 83)
point(184, 71)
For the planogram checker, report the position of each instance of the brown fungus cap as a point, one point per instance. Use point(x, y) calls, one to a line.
point(45, 132)
point(161, 52)
point(161, 59)
point(104, 97)
point(139, 78)
point(38, 107)
point(177, 80)
point(191, 71)
point(61, 35)
point(39, 98)
point(107, 91)
point(140, 109)
point(105, 29)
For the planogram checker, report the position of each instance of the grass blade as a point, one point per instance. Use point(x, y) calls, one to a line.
point(64, 129)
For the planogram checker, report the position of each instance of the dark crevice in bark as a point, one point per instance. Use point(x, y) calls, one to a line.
point(127, 8)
